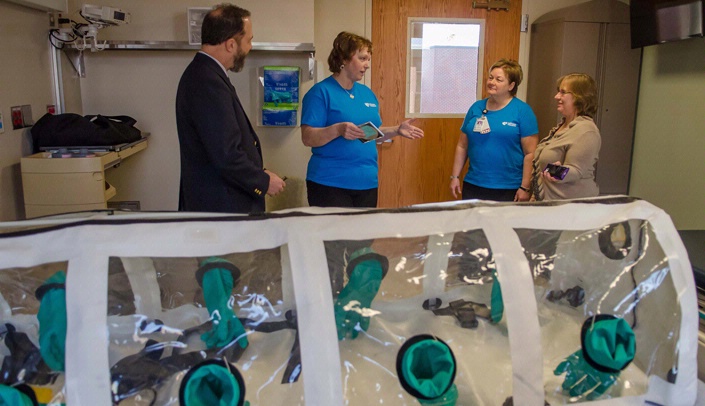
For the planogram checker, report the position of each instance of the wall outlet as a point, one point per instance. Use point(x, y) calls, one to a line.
point(21, 116)
point(54, 20)
point(17, 119)
point(58, 21)
point(2, 124)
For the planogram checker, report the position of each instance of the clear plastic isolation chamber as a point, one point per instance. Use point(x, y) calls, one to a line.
point(464, 304)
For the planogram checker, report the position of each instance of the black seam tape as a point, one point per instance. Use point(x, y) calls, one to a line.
point(234, 271)
point(42, 290)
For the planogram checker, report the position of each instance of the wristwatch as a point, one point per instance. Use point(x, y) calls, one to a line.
point(454, 177)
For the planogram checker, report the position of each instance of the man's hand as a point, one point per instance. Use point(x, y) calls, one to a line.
point(276, 184)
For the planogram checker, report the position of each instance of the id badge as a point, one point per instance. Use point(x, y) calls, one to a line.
point(482, 126)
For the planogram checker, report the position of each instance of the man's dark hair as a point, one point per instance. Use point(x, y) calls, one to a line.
point(225, 21)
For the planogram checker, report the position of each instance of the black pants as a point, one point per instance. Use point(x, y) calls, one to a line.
point(329, 196)
point(338, 252)
point(471, 191)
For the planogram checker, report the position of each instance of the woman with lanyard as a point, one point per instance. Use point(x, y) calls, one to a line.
point(500, 136)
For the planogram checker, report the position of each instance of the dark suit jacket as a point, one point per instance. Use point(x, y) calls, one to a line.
point(221, 159)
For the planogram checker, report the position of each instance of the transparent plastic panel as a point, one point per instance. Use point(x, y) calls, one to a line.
point(414, 321)
point(33, 330)
point(608, 310)
point(598, 294)
point(470, 260)
point(185, 329)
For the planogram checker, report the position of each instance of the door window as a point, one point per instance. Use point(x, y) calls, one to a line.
point(444, 66)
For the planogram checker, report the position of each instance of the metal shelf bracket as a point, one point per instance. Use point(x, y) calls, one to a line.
point(76, 58)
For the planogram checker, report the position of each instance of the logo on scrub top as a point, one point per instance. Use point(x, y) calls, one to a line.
point(510, 124)
point(370, 105)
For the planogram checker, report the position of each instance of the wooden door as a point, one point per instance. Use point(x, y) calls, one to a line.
point(619, 86)
point(412, 172)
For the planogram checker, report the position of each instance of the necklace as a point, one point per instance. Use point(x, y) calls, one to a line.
point(352, 96)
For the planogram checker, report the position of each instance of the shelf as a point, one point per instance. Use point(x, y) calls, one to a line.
point(44, 5)
point(75, 54)
point(183, 45)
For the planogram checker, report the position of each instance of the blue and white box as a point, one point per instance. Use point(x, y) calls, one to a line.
point(280, 114)
point(281, 84)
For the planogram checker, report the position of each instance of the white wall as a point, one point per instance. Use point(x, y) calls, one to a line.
point(668, 167)
point(331, 19)
point(535, 9)
point(24, 79)
point(165, 20)
point(142, 84)
point(44, 5)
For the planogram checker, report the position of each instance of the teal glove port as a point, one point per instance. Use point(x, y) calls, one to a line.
point(366, 269)
point(212, 383)
point(21, 395)
point(217, 277)
point(608, 346)
point(426, 368)
point(52, 320)
point(496, 303)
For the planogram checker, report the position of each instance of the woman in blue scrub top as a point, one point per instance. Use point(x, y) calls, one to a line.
point(342, 171)
point(500, 134)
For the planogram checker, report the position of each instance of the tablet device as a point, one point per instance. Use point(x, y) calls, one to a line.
point(371, 132)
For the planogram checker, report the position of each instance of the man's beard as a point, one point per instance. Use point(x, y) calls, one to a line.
point(238, 62)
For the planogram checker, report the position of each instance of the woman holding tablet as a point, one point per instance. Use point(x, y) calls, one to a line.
point(337, 116)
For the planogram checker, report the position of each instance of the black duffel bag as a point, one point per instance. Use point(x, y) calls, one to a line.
point(74, 130)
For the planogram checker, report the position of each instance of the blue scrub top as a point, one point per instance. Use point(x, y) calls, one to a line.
point(347, 164)
point(496, 158)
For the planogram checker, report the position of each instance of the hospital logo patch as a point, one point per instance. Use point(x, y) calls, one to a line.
point(510, 124)
point(370, 105)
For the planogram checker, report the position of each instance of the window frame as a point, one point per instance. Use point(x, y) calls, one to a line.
point(480, 61)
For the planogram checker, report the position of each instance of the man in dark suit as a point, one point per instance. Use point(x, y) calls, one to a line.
point(221, 158)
